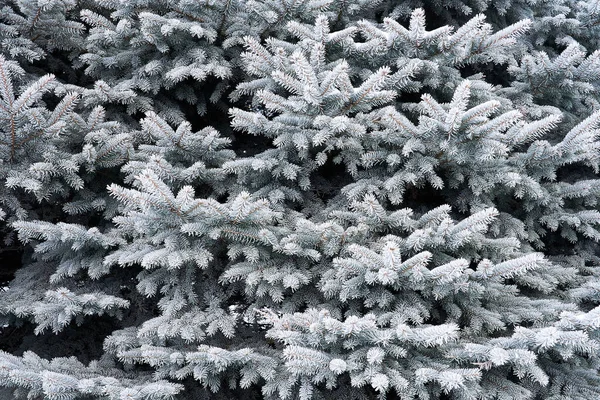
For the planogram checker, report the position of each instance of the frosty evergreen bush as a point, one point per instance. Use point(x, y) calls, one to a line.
point(300, 199)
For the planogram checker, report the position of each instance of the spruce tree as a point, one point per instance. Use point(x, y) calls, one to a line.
point(300, 199)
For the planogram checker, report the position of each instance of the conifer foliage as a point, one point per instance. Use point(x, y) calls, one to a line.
point(300, 199)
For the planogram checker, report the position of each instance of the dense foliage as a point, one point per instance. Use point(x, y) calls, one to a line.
point(300, 199)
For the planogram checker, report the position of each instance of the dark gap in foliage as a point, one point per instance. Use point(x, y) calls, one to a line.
point(555, 244)
point(328, 180)
point(50, 100)
point(10, 262)
point(251, 393)
point(246, 145)
point(58, 63)
point(495, 74)
point(216, 114)
point(243, 143)
point(438, 315)
point(436, 18)
point(138, 116)
point(530, 292)
point(571, 173)
point(512, 377)
point(410, 97)
point(422, 199)
point(202, 190)
point(221, 197)
point(12, 336)
point(84, 341)
point(552, 44)
point(448, 15)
